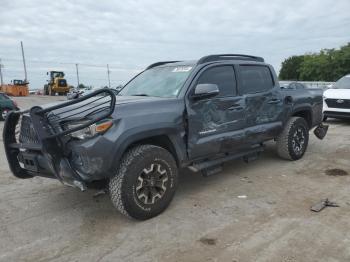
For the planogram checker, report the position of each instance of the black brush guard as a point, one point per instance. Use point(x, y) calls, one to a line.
point(48, 132)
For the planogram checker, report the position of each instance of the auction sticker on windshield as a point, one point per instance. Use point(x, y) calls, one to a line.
point(179, 69)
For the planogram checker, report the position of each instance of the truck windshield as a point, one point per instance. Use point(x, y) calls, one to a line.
point(343, 83)
point(165, 81)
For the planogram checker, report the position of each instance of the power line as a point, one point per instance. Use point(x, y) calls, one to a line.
point(12, 70)
point(69, 63)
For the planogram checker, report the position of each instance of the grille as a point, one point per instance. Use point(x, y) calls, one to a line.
point(27, 133)
point(338, 103)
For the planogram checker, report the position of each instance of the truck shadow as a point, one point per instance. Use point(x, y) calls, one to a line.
point(334, 121)
point(190, 183)
point(87, 219)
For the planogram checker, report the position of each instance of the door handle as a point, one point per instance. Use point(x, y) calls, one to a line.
point(235, 108)
point(274, 101)
point(288, 100)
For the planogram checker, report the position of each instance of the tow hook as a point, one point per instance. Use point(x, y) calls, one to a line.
point(79, 185)
point(75, 184)
point(321, 131)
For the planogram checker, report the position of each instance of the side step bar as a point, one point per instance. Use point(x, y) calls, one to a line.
point(217, 161)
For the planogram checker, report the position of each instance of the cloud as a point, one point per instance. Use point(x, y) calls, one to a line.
point(129, 35)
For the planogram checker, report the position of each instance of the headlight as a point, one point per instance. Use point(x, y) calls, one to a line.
point(90, 131)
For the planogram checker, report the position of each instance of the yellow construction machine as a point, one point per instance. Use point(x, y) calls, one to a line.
point(56, 84)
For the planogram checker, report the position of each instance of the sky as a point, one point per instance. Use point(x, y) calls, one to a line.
point(130, 35)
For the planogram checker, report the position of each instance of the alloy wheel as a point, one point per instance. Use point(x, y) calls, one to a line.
point(151, 183)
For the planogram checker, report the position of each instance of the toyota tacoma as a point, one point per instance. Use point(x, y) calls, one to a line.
point(173, 115)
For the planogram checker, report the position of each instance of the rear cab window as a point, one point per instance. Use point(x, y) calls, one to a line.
point(223, 77)
point(255, 79)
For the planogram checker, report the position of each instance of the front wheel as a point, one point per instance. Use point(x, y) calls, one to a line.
point(145, 182)
point(293, 141)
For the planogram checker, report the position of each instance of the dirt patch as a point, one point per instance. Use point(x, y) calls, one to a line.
point(336, 172)
point(208, 241)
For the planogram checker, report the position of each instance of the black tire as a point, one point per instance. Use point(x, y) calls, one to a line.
point(134, 192)
point(46, 90)
point(293, 141)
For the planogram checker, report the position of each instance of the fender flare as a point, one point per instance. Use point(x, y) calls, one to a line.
point(132, 136)
point(303, 108)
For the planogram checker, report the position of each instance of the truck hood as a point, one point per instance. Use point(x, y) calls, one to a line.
point(120, 100)
point(129, 106)
point(136, 108)
point(337, 93)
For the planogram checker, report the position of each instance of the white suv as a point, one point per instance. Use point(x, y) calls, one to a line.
point(336, 100)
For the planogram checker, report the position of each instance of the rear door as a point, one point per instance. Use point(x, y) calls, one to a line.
point(216, 124)
point(264, 102)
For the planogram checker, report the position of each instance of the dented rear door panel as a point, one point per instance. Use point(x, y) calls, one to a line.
point(264, 115)
point(265, 110)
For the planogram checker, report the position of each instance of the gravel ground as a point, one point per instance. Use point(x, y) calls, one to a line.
point(42, 220)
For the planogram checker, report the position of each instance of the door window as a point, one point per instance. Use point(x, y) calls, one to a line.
point(223, 77)
point(255, 79)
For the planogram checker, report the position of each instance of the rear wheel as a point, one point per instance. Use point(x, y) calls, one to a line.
point(293, 141)
point(145, 182)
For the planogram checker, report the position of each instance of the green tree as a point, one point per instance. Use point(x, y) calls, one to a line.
point(327, 65)
point(290, 68)
point(82, 86)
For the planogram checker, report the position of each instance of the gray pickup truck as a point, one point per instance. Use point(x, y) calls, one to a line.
point(175, 114)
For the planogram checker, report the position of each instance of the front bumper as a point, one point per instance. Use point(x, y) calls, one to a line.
point(30, 158)
point(336, 112)
point(36, 144)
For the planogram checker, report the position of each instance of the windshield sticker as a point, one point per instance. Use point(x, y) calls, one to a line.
point(179, 69)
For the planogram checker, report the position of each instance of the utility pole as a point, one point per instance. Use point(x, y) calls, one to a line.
point(109, 80)
point(2, 80)
point(77, 68)
point(24, 64)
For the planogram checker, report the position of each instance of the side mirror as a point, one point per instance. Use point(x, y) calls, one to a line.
point(203, 91)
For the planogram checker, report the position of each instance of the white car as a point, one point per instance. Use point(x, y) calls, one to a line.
point(336, 100)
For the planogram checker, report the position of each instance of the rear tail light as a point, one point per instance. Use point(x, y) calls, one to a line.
point(15, 103)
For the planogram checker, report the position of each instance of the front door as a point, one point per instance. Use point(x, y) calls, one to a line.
point(216, 125)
